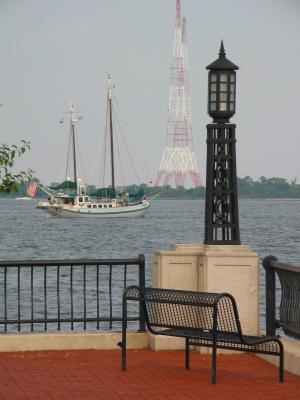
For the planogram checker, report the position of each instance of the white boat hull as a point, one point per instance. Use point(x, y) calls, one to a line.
point(23, 198)
point(129, 211)
point(43, 205)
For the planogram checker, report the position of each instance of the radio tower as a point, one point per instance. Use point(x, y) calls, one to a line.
point(178, 158)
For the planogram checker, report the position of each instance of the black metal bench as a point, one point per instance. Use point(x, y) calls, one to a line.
point(203, 319)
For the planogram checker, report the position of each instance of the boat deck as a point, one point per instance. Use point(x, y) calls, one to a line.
point(96, 374)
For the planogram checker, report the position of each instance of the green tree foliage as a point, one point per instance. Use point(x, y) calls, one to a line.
point(263, 188)
point(9, 180)
point(268, 188)
point(181, 193)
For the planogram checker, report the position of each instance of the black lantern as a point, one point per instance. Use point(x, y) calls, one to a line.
point(221, 203)
point(221, 88)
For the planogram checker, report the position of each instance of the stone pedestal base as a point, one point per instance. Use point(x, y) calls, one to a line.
point(158, 343)
point(211, 268)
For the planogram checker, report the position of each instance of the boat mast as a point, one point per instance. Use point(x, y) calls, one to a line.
point(72, 128)
point(111, 133)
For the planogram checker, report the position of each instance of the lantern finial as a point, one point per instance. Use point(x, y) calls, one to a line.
point(222, 52)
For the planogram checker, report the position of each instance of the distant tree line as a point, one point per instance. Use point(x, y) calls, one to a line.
point(268, 188)
point(263, 188)
point(180, 193)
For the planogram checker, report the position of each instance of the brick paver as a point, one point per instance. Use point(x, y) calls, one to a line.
point(92, 374)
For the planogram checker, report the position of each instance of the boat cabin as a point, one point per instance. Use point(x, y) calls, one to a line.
point(86, 202)
point(82, 200)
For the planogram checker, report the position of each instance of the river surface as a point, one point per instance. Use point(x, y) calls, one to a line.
point(267, 226)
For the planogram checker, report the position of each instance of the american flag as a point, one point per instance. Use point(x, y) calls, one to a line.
point(32, 189)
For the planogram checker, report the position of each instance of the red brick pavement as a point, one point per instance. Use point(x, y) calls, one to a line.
point(92, 374)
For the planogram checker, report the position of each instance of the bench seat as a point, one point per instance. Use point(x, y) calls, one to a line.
point(255, 344)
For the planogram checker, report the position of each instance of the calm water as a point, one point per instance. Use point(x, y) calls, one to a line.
point(267, 226)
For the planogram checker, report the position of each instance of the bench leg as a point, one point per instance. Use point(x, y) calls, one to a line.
point(281, 363)
point(214, 364)
point(124, 328)
point(124, 355)
point(187, 353)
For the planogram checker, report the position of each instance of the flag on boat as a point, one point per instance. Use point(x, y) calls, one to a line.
point(32, 189)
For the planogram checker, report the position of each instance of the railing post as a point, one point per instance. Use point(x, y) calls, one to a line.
point(270, 296)
point(141, 285)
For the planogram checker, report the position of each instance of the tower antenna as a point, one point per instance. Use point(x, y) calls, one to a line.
point(178, 159)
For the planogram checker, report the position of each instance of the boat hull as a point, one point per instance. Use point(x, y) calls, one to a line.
point(43, 205)
point(135, 210)
point(23, 198)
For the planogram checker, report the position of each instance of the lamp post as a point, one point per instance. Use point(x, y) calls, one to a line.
point(221, 204)
point(221, 263)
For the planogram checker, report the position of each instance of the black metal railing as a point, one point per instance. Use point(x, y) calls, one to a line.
point(62, 295)
point(289, 309)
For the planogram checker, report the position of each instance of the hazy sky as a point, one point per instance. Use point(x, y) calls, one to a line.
point(54, 51)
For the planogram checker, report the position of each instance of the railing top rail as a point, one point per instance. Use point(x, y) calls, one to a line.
point(272, 262)
point(84, 261)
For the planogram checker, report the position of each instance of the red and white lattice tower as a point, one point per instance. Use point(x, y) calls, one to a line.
point(178, 158)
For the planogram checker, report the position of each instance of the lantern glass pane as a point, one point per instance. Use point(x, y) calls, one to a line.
point(213, 97)
point(213, 106)
point(223, 106)
point(231, 106)
point(213, 87)
point(232, 87)
point(213, 77)
point(232, 77)
point(223, 77)
point(223, 87)
point(223, 96)
point(231, 96)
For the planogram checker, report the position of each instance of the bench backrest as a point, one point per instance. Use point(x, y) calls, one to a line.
point(168, 308)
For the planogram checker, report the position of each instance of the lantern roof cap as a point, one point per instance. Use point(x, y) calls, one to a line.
point(222, 62)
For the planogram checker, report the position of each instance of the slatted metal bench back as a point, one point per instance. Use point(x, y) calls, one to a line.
point(189, 310)
point(203, 319)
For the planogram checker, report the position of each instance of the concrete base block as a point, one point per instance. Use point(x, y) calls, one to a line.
point(70, 341)
point(207, 350)
point(213, 268)
point(159, 342)
point(291, 356)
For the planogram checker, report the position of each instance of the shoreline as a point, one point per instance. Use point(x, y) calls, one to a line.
point(186, 198)
point(240, 198)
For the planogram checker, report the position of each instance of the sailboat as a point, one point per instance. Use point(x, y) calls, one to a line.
point(83, 205)
point(66, 191)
